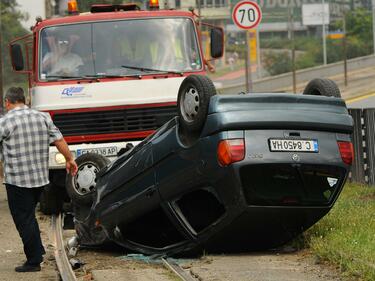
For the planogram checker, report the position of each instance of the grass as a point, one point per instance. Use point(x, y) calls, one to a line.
point(346, 236)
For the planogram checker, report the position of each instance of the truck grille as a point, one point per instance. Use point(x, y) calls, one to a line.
point(114, 121)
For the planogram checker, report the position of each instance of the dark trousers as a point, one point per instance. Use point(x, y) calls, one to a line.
point(22, 202)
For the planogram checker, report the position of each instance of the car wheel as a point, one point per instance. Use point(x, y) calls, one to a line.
point(192, 102)
point(322, 87)
point(50, 201)
point(80, 188)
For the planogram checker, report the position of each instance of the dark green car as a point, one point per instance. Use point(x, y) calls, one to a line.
point(230, 173)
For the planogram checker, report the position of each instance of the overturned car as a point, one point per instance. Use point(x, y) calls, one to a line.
point(229, 173)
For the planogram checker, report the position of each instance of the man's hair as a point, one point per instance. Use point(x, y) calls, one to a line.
point(15, 95)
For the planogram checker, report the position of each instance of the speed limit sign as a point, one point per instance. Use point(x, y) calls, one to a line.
point(247, 14)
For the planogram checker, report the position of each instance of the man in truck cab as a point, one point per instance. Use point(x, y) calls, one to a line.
point(60, 61)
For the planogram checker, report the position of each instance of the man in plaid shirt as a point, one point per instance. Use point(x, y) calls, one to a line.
point(25, 136)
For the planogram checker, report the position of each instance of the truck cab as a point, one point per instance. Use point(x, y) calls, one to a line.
point(109, 77)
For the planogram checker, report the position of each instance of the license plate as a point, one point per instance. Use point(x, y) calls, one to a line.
point(294, 145)
point(105, 151)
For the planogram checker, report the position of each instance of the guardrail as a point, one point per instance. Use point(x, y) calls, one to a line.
point(363, 168)
point(279, 82)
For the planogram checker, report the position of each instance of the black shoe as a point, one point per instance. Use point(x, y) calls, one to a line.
point(26, 267)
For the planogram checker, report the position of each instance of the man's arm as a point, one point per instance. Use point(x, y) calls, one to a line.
point(62, 147)
point(57, 139)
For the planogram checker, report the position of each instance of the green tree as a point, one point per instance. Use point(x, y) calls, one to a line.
point(359, 32)
point(10, 28)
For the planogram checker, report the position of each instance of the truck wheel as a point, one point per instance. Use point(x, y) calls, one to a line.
point(192, 102)
point(80, 188)
point(50, 202)
point(322, 87)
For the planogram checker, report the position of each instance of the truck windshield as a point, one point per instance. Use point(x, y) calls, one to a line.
point(118, 48)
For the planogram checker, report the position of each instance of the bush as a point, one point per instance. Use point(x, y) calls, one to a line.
point(359, 43)
point(277, 62)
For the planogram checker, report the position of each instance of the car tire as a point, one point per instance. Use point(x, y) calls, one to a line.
point(80, 188)
point(322, 87)
point(50, 202)
point(192, 102)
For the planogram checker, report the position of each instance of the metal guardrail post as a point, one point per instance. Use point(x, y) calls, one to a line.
point(369, 128)
point(358, 166)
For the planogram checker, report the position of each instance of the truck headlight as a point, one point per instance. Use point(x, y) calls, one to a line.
point(60, 159)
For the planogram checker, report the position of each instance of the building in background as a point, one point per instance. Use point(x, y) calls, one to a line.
point(56, 7)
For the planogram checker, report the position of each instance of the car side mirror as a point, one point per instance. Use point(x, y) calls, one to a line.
point(17, 57)
point(217, 42)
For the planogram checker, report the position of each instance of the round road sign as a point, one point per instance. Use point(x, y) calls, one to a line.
point(247, 14)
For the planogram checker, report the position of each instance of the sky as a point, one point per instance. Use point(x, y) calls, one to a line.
point(34, 8)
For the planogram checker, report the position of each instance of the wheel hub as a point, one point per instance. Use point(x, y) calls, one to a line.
point(190, 104)
point(86, 179)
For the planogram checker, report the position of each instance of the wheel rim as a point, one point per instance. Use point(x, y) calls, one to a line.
point(85, 179)
point(190, 104)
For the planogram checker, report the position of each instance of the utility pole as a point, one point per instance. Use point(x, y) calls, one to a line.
point(1, 71)
point(324, 33)
point(291, 37)
point(199, 15)
point(373, 24)
point(345, 51)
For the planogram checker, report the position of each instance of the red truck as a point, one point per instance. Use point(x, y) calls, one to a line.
point(108, 77)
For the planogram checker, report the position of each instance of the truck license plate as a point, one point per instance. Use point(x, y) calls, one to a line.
point(294, 145)
point(105, 151)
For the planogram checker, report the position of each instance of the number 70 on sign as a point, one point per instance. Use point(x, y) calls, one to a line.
point(247, 14)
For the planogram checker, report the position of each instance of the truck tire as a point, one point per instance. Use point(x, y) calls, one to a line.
point(50, 201)
point(192, 102)
point(80, 188)
point(322, 87)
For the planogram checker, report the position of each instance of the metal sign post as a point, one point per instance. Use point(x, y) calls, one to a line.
point(249, 84)
point(317, 14)
point(247, 15)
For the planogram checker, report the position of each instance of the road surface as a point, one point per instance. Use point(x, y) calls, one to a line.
point(366, 101)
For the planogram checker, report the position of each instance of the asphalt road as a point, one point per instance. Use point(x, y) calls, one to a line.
point(367, 101)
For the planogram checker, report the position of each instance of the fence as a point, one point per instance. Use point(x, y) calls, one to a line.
point(275, 83)
point(363, 168)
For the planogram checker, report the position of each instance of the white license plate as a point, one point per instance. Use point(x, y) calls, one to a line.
point(105, 151)
point(294, 145)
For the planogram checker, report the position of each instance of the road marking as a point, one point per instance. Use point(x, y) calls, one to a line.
point(351, 100)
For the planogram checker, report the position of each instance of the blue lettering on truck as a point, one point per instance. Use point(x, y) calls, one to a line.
point(71, 90)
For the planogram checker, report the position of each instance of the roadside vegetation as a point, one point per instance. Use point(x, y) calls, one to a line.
point(276, 49)
point(359, 30)
point(11, 28)
point(346, 236)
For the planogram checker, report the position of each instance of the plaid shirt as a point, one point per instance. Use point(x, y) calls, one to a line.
point(25, 135)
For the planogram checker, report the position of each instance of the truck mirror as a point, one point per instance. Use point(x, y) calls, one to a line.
point(17, 57)
point(217, 42)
